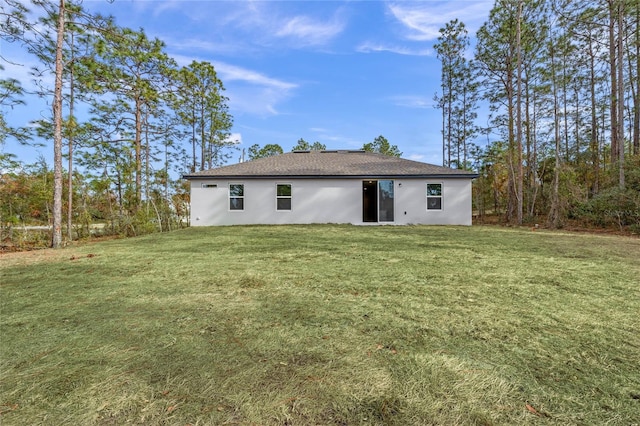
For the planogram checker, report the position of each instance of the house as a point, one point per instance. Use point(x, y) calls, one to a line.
point(339, 186)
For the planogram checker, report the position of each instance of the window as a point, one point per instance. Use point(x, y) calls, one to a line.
point(434, 196)
point(209, 185)
point(236, 196)
point(283, 196)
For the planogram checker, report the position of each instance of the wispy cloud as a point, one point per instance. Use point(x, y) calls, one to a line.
point(229, 72)
point(249, 91)
point(253, 92)
point(423, 20)
point(303, 30)
point(270, 25)
point(369, 47)
point(412, 101)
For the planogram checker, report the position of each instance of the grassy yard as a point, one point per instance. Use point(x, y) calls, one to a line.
point(324, 325)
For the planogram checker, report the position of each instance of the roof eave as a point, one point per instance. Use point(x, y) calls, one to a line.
point(360, 176)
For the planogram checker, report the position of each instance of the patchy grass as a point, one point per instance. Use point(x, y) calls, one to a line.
point(343, 325)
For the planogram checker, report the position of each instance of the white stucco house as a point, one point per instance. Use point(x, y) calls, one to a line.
point(341, 186)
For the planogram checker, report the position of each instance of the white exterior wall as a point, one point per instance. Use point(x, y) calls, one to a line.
point(326, 201)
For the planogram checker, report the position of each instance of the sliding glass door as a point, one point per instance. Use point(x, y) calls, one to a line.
point(377, 201)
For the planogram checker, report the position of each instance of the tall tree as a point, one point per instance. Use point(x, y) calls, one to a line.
point(80, 27)
point(202, 108)
point(56, 240)
point(134, 69)
point(616, 62)
point(504, 44)
point(16, 26)
point(555, 214)
point(459, 94)
point(496, 52)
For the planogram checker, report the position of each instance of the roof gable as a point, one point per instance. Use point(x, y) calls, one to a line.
point(330, 164)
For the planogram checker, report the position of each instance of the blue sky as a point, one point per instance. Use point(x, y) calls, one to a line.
point(337, 72)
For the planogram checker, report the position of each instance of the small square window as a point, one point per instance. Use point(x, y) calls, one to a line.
point(434, 196)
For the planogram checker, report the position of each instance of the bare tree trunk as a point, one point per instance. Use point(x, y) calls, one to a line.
point(565, 105)
point(56, 238)
point(595, 142)
point(70, 149)
point(531, 131)
point(138, 148)
point(554, 213)
point(620, 65)
point(194, 165)
point(147, 152)
point(203, 144)
point(614, 82)
point(444, 143)
point(519, 169)
point(636, 95)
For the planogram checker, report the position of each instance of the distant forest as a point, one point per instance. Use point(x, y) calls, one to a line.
point(561, 139)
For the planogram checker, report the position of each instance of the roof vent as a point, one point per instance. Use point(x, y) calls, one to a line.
point(301, 151)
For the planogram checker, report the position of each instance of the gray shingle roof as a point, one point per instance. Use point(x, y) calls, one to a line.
point(330, 164)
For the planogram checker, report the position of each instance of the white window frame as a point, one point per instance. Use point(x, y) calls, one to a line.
point(284, 197)
point(441, 196)
point(242, 197)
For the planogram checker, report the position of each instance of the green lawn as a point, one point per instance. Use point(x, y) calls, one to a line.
point(324, 325)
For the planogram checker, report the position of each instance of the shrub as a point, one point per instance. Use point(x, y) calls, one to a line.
point(613, 206)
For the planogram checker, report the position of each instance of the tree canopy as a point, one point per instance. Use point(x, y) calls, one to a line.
point(382, 146)
point(303, 145)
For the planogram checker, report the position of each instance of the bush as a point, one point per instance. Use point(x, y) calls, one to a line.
point(613, 206)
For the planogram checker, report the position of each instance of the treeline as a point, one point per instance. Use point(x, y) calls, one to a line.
point(380, 145)
point(558, 87)
point(125, 117)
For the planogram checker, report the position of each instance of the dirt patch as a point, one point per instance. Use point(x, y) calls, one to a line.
point(569, 226)
point(33, 256)
point(28, 257)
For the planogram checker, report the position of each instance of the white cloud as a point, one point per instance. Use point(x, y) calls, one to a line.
point(303, 30)
point(270, 25)
point(234, 73)
point(369, 47)
point(424, 19)
point(235, 138)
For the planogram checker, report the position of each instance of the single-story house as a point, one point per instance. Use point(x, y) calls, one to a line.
point(340, 186)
